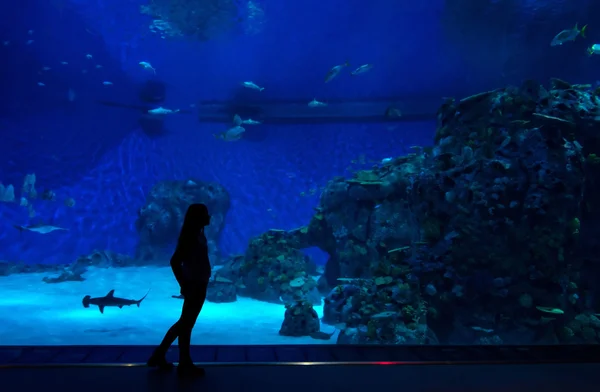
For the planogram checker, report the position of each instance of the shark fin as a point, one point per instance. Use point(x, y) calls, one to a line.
point(140, 300)
point(111, 293)
point(101, 308)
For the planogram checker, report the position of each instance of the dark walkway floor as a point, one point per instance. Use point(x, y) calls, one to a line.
point(408, 378)
point(318, 354)
point(296, 368)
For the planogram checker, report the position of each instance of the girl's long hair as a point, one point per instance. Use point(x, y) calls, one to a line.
point(193, 224)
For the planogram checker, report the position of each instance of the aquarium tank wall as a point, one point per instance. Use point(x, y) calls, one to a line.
point(380, 172)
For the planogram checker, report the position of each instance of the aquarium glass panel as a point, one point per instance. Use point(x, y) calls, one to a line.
point(300, 172)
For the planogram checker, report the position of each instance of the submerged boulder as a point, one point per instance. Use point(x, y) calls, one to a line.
point(300, 319)
point(273, 271)
point(159, 220)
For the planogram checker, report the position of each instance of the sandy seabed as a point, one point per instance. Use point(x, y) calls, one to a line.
point(38, 313)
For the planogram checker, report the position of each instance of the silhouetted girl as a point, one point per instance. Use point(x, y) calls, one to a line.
point(191, 268)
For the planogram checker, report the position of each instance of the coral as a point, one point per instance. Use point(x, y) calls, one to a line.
point(196, 19)
point(300, 319)
point(484, 223)
point(221, 290)
point(273, 270)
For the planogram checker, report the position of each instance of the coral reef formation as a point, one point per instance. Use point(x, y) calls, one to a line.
point(300, 319)
point(221, 290)
point(160, 219)
point(273, 270)
point(196, 19)
point(74, 271)
point(473, 240)
point(486, 237)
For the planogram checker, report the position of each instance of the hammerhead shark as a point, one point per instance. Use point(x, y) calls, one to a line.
point(110, 300)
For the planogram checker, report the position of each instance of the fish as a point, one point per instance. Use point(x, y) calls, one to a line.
point(110, 300)
point(392, 112)
point(147, 66)
point(568, 35)
point(315, 104)
point(237, 120)
point(594, 49)
point(252, 86)
point(160, 111)
point(40, 228)
point(232, 134)
point(335, 71)
point(107, 83)
point(362, 69)
point(89, 56)
point(322, 335)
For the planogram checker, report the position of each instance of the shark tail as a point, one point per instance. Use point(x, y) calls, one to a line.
point(138, 302)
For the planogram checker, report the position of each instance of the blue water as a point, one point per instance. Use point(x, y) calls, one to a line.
point(99, 157)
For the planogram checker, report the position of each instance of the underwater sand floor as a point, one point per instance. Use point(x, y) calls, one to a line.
point(36, 313)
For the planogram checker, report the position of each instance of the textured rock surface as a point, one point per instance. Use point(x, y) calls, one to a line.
point(300, 319)
point(160, 219)
point(476, 239)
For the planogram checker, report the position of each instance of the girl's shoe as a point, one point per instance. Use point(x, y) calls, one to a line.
point(189, 370)
point(159, 362)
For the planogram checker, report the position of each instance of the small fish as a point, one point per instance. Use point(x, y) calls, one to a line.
point(64, 63)
point(29, 42)
point(30, 32)
point(40, 228)
point(362, 69)
point(251, 122)
point(46, 69)
point(237, 120)
point(252, 86)
point(147, 66)
point(315, 104)
point(392, 112)
point(98, 66)
point(41, 84)
point(160, 111)
point(6, 43)
point(568, 35)
point(386, 160)
point(89, 56)
point(594, 49)
point(107, 83)
point(480, 329)
point(335, 71)
point(232, 134)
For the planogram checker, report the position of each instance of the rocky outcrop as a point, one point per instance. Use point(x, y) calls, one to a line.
point(480, 234)
point(273, 270)
point(300, 319)
point(160, 219)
